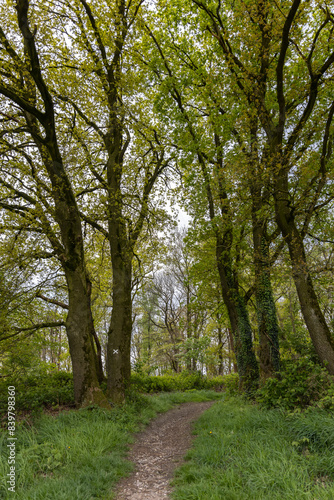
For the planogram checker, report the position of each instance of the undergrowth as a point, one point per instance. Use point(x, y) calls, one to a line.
point(174, 382)
point(243, 452)
point(302, 384)
point(51, 390)
point(35, 391)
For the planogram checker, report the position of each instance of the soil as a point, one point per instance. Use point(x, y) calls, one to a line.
point(157, 451)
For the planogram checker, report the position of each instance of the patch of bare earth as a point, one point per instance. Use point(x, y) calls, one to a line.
point(158, 450)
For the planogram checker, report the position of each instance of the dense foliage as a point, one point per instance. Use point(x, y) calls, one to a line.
point(166, 219)
point(302, 384)
point(35, 392)
point(167, 383)
point(113, 118)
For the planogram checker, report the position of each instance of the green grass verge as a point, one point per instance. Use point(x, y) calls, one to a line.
point(79, 455)
point(243, 452)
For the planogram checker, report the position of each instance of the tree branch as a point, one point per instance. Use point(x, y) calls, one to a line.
point(32, 329)
point(280, 65)
point(51, 301)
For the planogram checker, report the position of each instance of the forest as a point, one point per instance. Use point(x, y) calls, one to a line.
point(166, 214)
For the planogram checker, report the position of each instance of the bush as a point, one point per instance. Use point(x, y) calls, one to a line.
point(36, 391)
point(326, 402)
point(303, 383)
point(184, 381)
point(231, 383)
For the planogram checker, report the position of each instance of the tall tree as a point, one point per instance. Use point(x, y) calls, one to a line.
point(23, 84)
point(93, 82)
point(126, 146)
point(295, 118)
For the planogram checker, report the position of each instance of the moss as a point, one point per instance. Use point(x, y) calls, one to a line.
point(267, 318)
point(246, 359)
point(95, 396)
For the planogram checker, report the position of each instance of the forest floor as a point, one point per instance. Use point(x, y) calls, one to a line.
point(158, 451)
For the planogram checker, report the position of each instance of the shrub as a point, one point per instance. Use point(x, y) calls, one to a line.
point(231, 383)
point(302, 383)
point(326, 402)
point(184, 381)
point(36, 391)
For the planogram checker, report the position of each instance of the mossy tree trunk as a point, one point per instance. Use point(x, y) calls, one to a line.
point(268, 330)
point(235, 304)
point(240, 325)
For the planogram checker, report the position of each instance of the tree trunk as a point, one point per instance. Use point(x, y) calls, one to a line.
point(242, 332)
point(96, 342)
point(313, 316)
point(190, 362)
point(79, 322)
point(119, 336)
point(266, 309)
point(79, 327)
point(220, 351)
point(247, 364)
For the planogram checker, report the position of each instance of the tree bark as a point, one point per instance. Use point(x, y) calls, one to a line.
point(266, 310)
point(79, 322)
point(241, 329)
point(119, 336)
point(79, 327)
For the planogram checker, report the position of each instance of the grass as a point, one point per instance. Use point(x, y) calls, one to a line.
point(80, 454)
point(244, 452)
point(241, 452)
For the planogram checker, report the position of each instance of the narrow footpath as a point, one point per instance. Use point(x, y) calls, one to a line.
point(158, 451)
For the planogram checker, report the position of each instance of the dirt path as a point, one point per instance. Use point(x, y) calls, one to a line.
point(158, 451)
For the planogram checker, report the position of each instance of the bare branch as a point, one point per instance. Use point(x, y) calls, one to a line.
point(51, 301)
point(32, 329)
